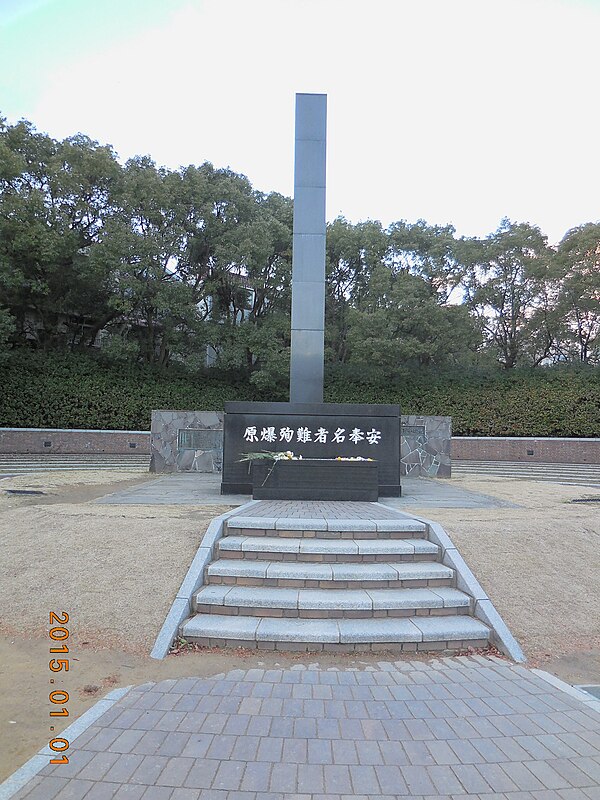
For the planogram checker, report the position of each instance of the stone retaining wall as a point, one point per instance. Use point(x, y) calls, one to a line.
point(202, 454)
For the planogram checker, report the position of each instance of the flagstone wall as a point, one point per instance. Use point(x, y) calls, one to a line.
point(425, 446)
point(186, 441)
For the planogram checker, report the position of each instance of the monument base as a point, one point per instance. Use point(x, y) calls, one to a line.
point(315, 479)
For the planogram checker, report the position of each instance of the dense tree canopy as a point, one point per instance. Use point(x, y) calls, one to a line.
point(164, 267)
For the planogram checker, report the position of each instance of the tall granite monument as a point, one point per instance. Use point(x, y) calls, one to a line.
point(308, 255)
point(306, 425)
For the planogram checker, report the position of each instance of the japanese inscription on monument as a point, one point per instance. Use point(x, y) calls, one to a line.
point(322, 435)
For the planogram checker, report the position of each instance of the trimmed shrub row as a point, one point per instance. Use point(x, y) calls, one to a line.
point(70, 390)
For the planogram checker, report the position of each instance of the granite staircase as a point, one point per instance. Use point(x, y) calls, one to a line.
point(334, 585)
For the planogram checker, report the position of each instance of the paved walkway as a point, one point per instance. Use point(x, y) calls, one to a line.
point(451, 728)
point(573, 474)
point(204, 488)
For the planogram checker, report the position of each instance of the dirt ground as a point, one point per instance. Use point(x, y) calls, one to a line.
point(539, 562)
point(116, 570)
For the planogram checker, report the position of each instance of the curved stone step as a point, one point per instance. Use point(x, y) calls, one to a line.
point(325, 529)
point(276, 548)
point(273, 601)
point(420, 633)
point(250, 572)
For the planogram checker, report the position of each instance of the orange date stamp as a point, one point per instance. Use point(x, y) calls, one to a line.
point(59, 634)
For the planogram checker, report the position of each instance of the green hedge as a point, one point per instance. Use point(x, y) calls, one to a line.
point(540, 402)
point(55, 390)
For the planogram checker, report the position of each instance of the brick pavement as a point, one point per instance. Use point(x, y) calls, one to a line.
point(451, 728)
point(319, 509)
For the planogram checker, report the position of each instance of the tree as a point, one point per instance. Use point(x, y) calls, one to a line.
point(430, 251)
point(402, 325)
point(578, 270)
point(54, 200)
point(238, 263)
point(353, 252)
point(505, 287)
point(7, 328)
point(138, 255)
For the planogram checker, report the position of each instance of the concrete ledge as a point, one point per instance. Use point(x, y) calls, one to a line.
point(194, 578)
point(587, 699)
point(321, 524)
point(260, 523)
point(466, 581)
point(35, 764)
point(351, 525)
point(299, 524)
point(400, 525)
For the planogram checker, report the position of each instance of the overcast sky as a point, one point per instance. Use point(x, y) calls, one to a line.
point(454, 111)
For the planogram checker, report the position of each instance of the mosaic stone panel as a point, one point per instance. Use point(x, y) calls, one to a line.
point(425, 446)
point(424, 443)
point(169, 452)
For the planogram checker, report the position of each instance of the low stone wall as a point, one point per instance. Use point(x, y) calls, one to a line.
point(523, 449)
point(425, 444)
point(192, 441)
point(74, 441)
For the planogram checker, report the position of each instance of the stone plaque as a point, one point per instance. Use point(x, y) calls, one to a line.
point(312, 430)
point(413, 430)
point(189, 439)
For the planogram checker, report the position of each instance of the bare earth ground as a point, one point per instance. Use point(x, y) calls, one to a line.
point(539, 564)
point(116, 570)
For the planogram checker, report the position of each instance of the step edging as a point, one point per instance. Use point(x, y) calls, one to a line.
point(181, 607)
point(321, 571)
point(484, 609)
point(350, 525)
point(273, 547)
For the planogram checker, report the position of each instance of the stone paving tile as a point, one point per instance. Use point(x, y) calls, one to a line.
point(364, 779)
point(122, 770)
point(257, 777)
point(450, 729)
point(201, 774)
point(107, 792)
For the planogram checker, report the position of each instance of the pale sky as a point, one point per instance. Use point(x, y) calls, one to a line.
point(454, 111)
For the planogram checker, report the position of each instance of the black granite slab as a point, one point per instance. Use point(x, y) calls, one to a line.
point(315, 479)
point(312, 430)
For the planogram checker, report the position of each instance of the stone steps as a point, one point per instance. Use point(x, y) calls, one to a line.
point(326, 529)
point(16, 464)
point(275, 548)
point(272, 601)
point(331, 583)
point(415, 634)
point(344, 575)
point(571, 474)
